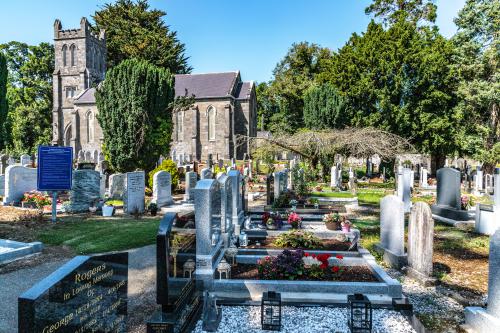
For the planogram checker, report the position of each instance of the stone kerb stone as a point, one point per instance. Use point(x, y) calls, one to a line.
point(226, 193)
point(207, 214)
point(237, 204)
point(85, 190)
point(478, 319)
point(162, 189)
point(420, 243)
point(133, 199)
point(18, 180)
point(117, 186)
point(392, 231)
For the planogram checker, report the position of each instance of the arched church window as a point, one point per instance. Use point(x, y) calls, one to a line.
point(211, 122)
point(67, 136)
point(72, 54)
point(90, 127)
point(64, 54)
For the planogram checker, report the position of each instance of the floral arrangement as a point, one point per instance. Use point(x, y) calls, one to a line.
point(36, 198)
point(295, 265)
point(345, 222)
point(271, 219)
point(466, 202)
point(333, 217)
point(294, 220)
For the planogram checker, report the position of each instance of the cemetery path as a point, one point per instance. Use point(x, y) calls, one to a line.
point(141, 287)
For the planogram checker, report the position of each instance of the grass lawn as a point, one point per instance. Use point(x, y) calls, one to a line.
point(333, 194)
point(370, 196)
point(96, 235)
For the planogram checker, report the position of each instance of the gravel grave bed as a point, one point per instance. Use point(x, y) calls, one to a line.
point(349, 274)
point(246, 319)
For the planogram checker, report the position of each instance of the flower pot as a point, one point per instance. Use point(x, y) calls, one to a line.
point(346, 228)
point(332, 225)
point(108, 210)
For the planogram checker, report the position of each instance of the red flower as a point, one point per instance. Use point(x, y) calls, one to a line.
point(335, 269)
point(323, 266)
point(306, 254)
point(338, 256)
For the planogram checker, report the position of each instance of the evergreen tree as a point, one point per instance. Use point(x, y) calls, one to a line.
point(392, 11)
point(324, 108)
point(134, 105)
point(133, 30)
point(3, 101)
point(477, 62)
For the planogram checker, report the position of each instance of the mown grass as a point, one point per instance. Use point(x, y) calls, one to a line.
point(333, 194)
point(97, 235)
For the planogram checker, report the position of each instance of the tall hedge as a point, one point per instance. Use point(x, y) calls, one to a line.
point(324, 108)
point(3, 100)
point(134, 113)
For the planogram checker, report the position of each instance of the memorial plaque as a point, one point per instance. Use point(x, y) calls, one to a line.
point(55, 168)
point(87, 294)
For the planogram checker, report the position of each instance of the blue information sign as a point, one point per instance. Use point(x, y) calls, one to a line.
point(55, 168)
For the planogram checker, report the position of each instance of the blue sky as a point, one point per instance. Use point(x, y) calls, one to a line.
point(221, 35)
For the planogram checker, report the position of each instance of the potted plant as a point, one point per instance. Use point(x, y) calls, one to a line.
point(108, 209)
point(332, 221)
point(346, 225)
point(294, 220)
point(293, 204)
point(153, 208)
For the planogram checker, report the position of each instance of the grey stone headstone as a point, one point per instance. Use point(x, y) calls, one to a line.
point(479, 180)
point(85, 190)
point(18, 180)
point(448, 188)
point(333, 175)
point(400, 183)
point(237, 204)
point(496, 189)
point(117, 186)
point(11, 161)
point(191, 180)
point(420, 242)
point(162, 188)
point(423, 177)
point(392, 224)
point(102, 191)
point(25, 160)
point(226, 191)
point(206, 173)
point(133, 200)
point(407, 181)
point(277, 188)
point(2, 185)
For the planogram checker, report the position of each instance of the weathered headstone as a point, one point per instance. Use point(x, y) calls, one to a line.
point(102, 187)
point(407, 181)
point(392, 231)
point(117, 186)
point(448, 203)
point(479, 180)
point(479, 319)
point(18, 180)
point(227, 227)
point(85, 190)
point(191, 180)
point(333, 177)
point(420, 243)
point(206, 173)
point(423, 177)
point(26, 160)
point(133, 198)
point(87, 294)
point(2, 185)
point(488, 216)
point(400, 183)
point(162, 189)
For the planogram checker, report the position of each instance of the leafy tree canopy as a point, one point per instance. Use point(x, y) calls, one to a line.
point(133, 30)
point(135, 104)
point(392, 11)
point(324, 108)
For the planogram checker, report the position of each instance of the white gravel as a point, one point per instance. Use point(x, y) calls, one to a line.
point(246, 319)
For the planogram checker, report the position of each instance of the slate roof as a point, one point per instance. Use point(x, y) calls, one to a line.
point(206, 85)
point(244, 90)
point(86, 97)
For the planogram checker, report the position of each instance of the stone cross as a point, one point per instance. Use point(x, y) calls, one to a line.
point(133, 198)
point(162, 189)
point(392, 231)
point(191, 180)
point(420, 243)
point(479, 319)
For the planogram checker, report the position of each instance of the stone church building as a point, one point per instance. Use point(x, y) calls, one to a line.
point(224, 107)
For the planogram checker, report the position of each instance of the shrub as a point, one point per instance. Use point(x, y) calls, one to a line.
point(288, 265)
point(298, 239)
point(170, 167)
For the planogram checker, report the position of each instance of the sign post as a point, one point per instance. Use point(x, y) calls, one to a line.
point(55, 171)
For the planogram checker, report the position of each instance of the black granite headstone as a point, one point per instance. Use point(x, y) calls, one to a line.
point(87, 294)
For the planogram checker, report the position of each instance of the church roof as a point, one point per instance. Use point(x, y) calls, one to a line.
point(86, 97)
point(244, 90)
point(206, 85)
